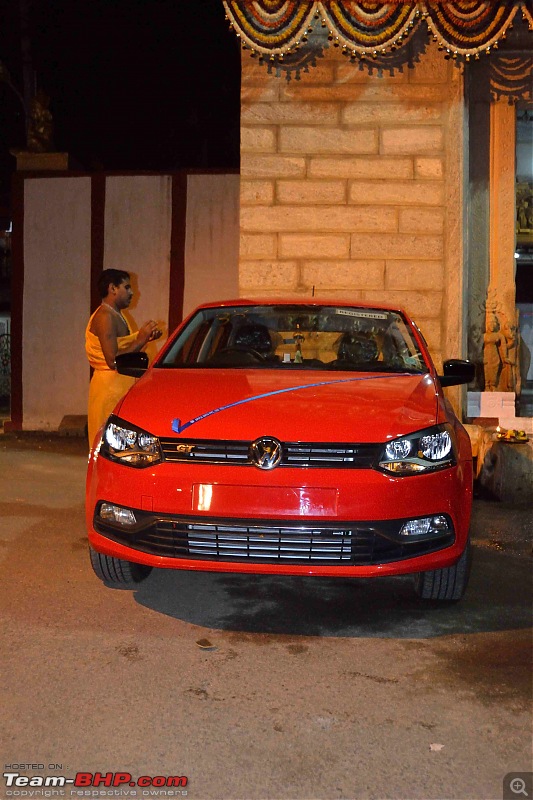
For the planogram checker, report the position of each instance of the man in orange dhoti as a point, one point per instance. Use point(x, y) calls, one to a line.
point(108, 333)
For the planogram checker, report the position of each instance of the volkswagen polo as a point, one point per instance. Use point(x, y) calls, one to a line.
point(290, 438)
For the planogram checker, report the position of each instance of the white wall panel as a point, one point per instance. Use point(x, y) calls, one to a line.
point(212, 239)
point(57, 259)
point(137, 239)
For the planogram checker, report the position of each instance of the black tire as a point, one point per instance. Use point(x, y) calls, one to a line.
point(115, 571)
point(448, 583)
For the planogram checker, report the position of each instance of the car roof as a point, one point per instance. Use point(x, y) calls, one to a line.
point(308, 301)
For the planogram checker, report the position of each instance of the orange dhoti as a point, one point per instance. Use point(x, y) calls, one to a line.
point(107, 386)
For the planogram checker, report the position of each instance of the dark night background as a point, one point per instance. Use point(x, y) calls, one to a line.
point(133, 84)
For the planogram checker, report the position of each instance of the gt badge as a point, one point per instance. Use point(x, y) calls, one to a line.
point(266, 452)
point(184, 448)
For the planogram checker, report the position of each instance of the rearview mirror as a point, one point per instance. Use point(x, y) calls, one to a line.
point(132, 364)
point(457, 371)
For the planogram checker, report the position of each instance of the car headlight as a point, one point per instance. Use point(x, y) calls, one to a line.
point(129, 445)
point(424, 451)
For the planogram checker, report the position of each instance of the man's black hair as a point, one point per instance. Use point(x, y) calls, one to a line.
point(111, 276)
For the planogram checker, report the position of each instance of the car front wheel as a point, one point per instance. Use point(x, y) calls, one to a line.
point(116, 571)
point(448, 583)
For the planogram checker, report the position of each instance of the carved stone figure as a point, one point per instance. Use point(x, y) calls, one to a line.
point(492, 361)
point(511, 378)
point(501, 347)
point(522, 218)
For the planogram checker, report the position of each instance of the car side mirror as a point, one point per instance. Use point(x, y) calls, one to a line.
point(132, 364)
point(457, 371)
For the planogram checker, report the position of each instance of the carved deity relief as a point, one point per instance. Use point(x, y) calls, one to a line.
point(510, 376)
point(501, 344)
point(492, 362)
point(524, 212)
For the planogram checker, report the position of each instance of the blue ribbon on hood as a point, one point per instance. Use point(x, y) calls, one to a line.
point(178, 427)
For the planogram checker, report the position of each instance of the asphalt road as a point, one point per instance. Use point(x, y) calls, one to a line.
point(252, 687)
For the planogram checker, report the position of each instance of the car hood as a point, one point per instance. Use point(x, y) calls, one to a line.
point(292, 406)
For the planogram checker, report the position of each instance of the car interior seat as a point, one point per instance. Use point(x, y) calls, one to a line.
point(249, 345)
point(357, 349)
point(254, 336)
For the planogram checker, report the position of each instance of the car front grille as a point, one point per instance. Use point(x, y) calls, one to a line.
point(294, 454)
point(273, 542)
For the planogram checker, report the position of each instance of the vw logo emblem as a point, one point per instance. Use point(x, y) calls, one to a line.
point(265, 452)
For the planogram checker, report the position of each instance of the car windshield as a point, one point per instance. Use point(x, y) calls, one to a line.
point(296, 337)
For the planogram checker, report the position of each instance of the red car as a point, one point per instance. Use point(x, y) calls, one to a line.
point(291, 438)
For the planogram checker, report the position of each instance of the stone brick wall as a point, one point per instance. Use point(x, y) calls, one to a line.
point(351, 187)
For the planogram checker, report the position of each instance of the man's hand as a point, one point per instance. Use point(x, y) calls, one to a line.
point(148, 332)
point(155, 334)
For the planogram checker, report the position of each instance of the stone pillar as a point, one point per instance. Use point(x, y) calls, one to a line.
point(502, 206)
point(501, 330)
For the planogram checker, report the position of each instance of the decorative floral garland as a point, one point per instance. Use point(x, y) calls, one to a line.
point(368, 28)
point(464, 28)
point(469, 28)
point(270, 26)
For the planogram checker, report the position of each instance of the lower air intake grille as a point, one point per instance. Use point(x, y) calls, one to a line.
point(230, 543)
point(272, 543)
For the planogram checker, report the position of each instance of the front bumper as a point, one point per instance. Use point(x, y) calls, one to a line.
point(275, 542)
point(246, 528)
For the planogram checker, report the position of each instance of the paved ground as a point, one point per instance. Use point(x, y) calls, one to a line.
point(253, 687)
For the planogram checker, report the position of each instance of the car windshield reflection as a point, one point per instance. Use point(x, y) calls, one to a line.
point(289, 337)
